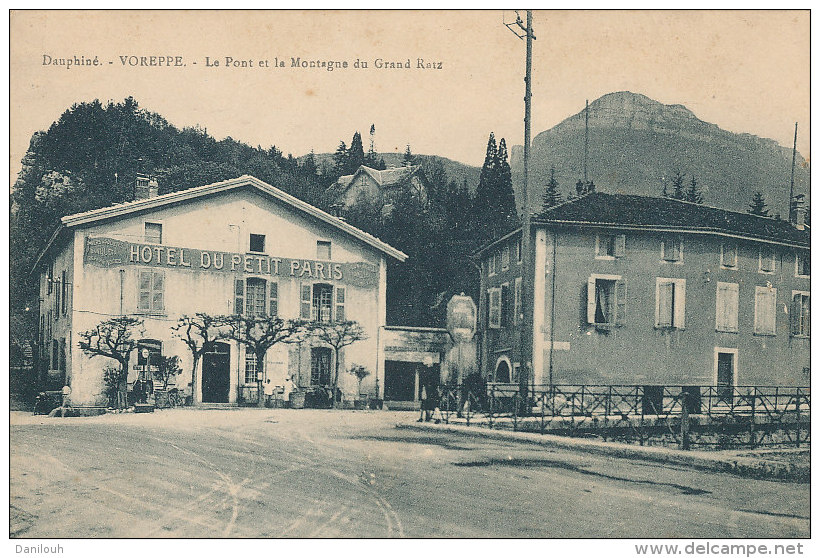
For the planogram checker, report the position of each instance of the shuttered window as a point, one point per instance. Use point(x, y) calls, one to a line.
point(765, 310)
point(801, 314)
point(606, 300)
point(494, 316)
point(670, 303)
point(802, 264)
point(151, 296)
point(767, 260)
point(672, 249)
point(255, 297)
point(609, 246)
point(728, 255)
point(726, 307)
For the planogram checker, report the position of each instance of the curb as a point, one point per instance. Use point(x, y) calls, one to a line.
point(743, 466)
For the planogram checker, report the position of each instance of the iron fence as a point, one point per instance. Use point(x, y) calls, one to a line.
point(706, 416)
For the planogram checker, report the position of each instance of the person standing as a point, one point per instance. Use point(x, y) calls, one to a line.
point(423, 399)
point(268, 393)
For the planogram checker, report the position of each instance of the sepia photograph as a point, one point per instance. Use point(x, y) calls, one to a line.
point(424, 274)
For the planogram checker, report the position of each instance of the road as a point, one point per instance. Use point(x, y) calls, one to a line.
point(314, 473)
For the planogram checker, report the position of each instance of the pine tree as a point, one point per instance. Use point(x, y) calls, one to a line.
point(355, 155)
point(371, 152)
point(494, 211)
point(552, 196)
point(340, 159)
point(693, 192)
point(758, 205)
point(408, 157)
point(677, 186)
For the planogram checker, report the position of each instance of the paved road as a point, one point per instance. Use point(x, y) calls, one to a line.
point(282, 473)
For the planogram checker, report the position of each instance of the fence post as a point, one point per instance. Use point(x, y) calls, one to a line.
point(684, 419)
point(797, 438)
point(641, 403)
point(752, 433)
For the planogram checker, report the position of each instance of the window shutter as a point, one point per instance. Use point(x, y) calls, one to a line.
point(591, 300)
point(158, 292)
point(505, 305)
point(340, 304)
point(304, 310)
point(144, 296)
point(517, 306)
point(495, 308)
point(732, 307)
point(620, 245)
point(239, 296)
point(680, 304)
point(274, 299)
point(664, 309)
point(620, 301)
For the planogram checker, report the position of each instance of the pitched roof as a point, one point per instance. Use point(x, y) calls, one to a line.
point(384, 178)
point(644, 212)
point(124, 209)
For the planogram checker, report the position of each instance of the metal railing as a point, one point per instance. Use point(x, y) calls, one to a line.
point(706, 416)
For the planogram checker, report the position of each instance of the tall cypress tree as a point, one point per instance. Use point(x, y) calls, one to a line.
point(494, 211)
point(508, 214)
point(355, 155)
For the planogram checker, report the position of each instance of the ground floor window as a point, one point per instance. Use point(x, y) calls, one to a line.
point(251, 375)
point(725, 372)
point(503, 372)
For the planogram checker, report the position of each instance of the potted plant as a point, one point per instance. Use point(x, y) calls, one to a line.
point(360, 372)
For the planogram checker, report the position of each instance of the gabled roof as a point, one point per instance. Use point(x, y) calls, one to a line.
point(182, 196)
point(383, 178)
point(645, 212)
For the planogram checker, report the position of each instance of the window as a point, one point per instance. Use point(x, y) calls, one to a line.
point(609, 246)
point(151, 291)
point(61, 363)
point(250, 367)
point(726, 307)
point(801, 314)
point(322, 303)
point(505, 258)
point(55, 355)
point(606, 300)
point(257, 243)
point(725, 372)
point(517, 303)
point(670, 303)
point(491, 263)
point(322, 249)
point(728, 255)
point(255, 297)
point(494, 308)
point(153, 233)
point(50, 278)
point(506, 307)
point(802, 264)
point(149, 352)
point(57, 292)
point(64, 293)
point(766, 259)
point(672, 249)
point(518, 250)
point(765, 310)
point(320, 366)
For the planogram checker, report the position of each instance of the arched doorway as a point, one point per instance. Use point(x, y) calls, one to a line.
point(502, 371)
point(216, 374)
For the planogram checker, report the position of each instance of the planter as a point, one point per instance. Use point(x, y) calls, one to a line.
point(161, 399)
point(297, 399)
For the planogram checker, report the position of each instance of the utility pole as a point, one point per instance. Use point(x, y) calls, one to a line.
point(586, 141)
point(527, 252)
point(791, 183)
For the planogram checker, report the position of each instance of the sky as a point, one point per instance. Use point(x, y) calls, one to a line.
point(746, 71)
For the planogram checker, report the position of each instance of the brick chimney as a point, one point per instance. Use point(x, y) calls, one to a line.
point(145, 187)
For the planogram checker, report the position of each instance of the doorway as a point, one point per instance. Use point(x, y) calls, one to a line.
point(725, 373)
point(216, 374)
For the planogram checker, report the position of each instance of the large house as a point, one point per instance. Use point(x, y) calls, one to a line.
point(631, 289)
point(384, 187)
point(233, 247)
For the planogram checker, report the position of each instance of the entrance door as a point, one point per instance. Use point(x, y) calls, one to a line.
point(216, 374)
point(725, 375)
point(399, 380)
point(320, 366)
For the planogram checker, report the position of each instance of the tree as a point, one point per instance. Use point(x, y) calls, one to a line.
point(409, 158)
point(355, 155)
point(199, 332)
point(338, 335)
point(371, 151)
point(360, 372)
point(693, 192)
point(168, 368)
point(113, 338)
point(677, 186)
point(494, 211)
point(340, 159)
point(552, 196)
point(259, 333)
point(758, 205)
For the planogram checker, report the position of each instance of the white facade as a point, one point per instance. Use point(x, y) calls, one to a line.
point(116, 264)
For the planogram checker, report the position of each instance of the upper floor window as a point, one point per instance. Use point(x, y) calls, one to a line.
point(728, 255)
point(518, 250)
point(801, 314)
point(766, 260)
point(608, 246)
point(50, 278)
point(322, 249)
point(256, 297)
point(151, 291)
point(670, 302)
point(491, 264)
point(726, 307)
point(802, 264)
point(320, 302)
point(672, 249)
point(606, 300)
point(505, 258)
point(494, 308)
point(257, 243)
point(153, 233)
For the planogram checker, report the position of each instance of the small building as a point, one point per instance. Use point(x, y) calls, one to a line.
point(233, 247)
point(639, 290)
point(383, 187)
